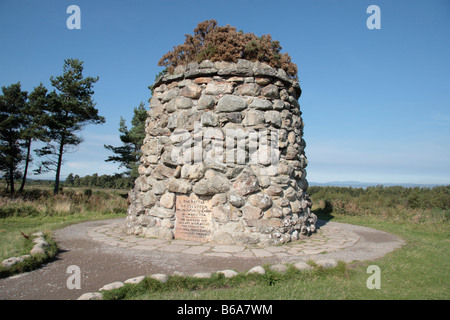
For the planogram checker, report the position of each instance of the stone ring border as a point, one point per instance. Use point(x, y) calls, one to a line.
point(227, 273)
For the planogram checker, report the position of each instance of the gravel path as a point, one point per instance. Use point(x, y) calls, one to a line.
point(105, 255)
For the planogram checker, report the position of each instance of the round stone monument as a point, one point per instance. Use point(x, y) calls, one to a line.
point(223, 158)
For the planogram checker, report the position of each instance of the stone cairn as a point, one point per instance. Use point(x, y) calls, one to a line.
point(223, 158)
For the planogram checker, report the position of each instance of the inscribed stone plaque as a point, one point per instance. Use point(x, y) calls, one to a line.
point(193, 218)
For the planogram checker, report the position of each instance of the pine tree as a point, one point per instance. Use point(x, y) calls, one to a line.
point(68, 111)
point(69, 180)
point(129, 153)
point(12, 104)
point(76, 181)
point(31, 119)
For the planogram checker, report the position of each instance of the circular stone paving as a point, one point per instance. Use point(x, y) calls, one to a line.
point(330, 238)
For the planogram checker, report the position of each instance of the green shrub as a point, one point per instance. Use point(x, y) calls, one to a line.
point(88, 193)
point(18, 211)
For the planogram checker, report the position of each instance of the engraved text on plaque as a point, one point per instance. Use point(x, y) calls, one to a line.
point(193, 219)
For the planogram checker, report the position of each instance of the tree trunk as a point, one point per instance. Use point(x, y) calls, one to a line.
point(27, 161)
point(11, 179)
point(58, 167)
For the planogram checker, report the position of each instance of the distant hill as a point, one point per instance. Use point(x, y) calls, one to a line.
point(357, 184)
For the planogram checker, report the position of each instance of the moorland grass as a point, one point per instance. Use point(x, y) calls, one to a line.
point(39, 210)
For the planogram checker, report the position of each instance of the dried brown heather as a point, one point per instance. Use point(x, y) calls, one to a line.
point(211, 42)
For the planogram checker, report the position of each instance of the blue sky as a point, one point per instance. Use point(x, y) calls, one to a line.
point(376, 103)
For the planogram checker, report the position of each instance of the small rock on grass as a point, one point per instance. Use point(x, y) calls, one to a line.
point(112, 286)
point(161, 277)
point(302, 266)
point(91, 296)
point(202, 275)
point(327, 263)
point(279, 268)
point(257, 269)
point(40, 240)
point(11, 261)
point(38, 249)
point(135, 280)
point(228, 273)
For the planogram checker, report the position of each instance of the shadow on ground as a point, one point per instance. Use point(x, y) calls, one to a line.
point(324, 215)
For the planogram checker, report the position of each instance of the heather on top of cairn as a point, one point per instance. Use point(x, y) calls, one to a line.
point(214, 43)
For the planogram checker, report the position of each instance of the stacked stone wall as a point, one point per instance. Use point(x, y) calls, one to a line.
point(223, 158)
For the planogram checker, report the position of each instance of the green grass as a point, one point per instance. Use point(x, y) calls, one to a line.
point(12, 243)
point(34, 261)
point(418, 270)
point(39, 210)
